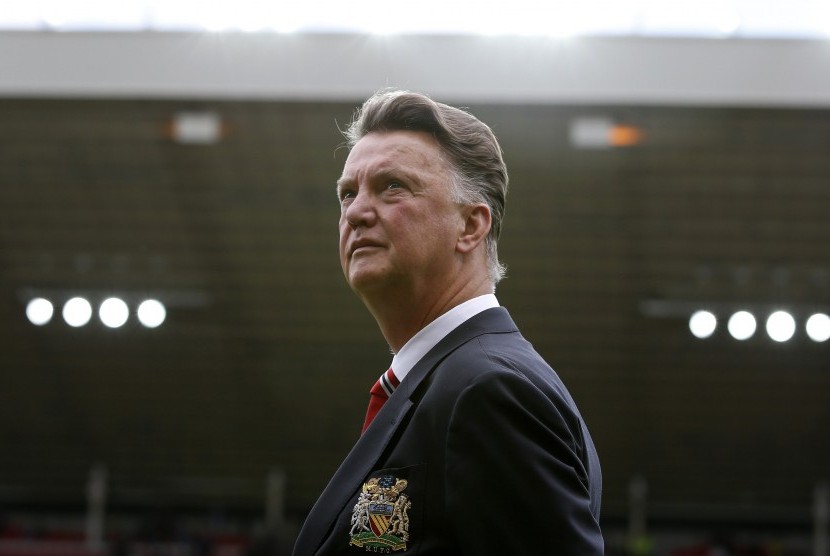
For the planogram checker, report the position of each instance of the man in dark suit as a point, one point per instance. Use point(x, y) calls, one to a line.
point(477, 447)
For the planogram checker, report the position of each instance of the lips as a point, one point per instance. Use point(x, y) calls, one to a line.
point(362, 244)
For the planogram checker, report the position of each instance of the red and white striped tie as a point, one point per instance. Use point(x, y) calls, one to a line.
point(380, 392)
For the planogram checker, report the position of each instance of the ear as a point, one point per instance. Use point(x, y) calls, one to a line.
point(477, 221)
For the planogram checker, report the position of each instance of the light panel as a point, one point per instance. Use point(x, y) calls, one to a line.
point(77, 310)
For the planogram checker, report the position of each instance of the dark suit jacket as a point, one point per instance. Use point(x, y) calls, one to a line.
point(480, 450)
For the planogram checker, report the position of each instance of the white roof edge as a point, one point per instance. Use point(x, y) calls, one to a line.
point(469, 69)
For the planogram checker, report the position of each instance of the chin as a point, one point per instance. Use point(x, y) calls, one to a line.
point(363, 280)
point(367, 280)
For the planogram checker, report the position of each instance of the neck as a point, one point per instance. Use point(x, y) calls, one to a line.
point(401, 315)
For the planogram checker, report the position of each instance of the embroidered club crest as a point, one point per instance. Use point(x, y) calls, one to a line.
point(380, 519)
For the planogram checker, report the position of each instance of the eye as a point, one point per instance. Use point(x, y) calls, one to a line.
point(344, 194)
point(394, 185)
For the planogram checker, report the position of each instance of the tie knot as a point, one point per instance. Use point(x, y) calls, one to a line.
point(381, 391)
point(385, 385)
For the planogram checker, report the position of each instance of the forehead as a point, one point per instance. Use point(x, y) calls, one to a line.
point(395, 150)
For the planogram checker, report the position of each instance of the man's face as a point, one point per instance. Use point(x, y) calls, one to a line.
point(398, 222)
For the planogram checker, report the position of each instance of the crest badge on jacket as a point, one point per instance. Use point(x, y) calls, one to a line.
point(380, 519)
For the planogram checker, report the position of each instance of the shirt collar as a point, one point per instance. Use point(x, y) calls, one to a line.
point(434, 332)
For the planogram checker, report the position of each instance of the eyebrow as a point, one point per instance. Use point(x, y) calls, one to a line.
point(383, 173)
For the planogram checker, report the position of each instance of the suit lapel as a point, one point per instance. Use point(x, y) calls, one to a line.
point(346, 481)
point(371, 445)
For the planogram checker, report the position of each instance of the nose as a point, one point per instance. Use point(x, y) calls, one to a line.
point(360, 211)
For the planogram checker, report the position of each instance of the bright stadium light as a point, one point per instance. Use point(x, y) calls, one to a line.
point(702, 324)
point(39, 311)
point(113, 312)
point(780, 326)
point(151, 313)
point(741, 325)
point(818, 327)
point(77, 312)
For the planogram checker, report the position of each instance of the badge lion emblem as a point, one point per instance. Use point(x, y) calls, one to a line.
point(380, 519)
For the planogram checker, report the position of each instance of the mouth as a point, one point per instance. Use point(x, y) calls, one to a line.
point(362, 246)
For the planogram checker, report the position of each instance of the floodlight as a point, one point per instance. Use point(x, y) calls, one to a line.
point(113, 312)
point(151, 313)
point(77, 312)
point(780, 326)
point(39, 311)
point(702, 324)
point(742, 325)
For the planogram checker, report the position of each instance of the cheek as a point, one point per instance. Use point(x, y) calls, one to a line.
point(429, 242)
point(342, 240)
point(444, 227)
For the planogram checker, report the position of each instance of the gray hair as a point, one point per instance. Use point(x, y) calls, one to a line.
point(479, 174)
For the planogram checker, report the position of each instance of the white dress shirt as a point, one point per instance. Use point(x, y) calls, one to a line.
point(434, 332)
